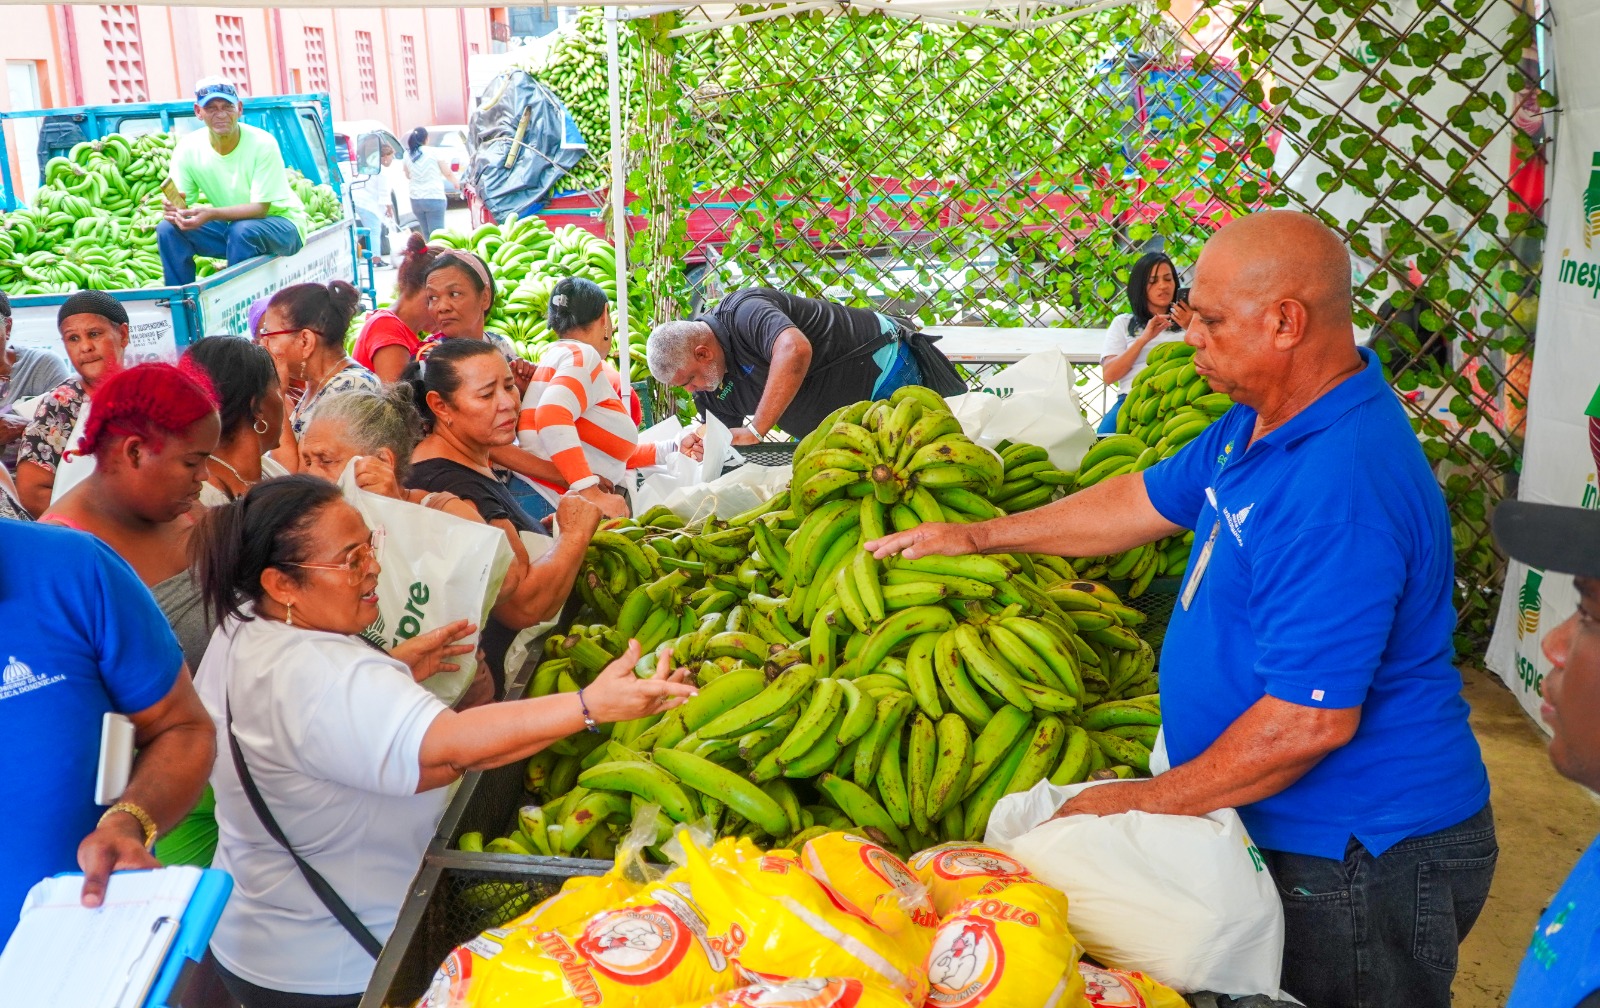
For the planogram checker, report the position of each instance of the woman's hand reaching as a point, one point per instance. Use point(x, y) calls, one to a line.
point(618, 695)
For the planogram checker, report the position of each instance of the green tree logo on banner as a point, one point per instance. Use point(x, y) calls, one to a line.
point(1528, 604)
point(1591, 203)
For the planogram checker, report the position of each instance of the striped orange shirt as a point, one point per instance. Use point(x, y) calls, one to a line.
point(573, 416)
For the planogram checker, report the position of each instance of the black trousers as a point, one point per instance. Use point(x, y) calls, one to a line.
point(250, 996)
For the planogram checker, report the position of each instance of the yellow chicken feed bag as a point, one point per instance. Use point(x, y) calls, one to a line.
point(781, 922)
point(956, 872)
point(651, 948)
point(865, 880)
point(1011, 948)
point(826, 992)
point(1110, 988)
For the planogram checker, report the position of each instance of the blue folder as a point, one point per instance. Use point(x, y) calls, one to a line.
point(194, 936)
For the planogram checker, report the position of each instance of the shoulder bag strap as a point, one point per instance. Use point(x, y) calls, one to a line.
point(325, 892)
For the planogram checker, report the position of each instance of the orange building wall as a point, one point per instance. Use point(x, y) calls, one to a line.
point(181, 44)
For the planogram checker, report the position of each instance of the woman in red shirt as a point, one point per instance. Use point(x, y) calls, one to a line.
point(390, 336)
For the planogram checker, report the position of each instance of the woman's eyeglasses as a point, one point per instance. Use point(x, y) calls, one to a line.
point(355, 560)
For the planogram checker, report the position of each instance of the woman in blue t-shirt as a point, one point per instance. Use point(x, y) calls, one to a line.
point(1561, 968)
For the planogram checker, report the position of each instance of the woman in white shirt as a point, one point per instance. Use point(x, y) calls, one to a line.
point(351, 758)
point(1158, 316)
point(427, 178)
point(251, 405)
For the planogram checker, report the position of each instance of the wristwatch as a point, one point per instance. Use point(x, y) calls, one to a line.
point(145, 820)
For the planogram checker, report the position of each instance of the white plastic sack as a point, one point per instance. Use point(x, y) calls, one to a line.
point(1034, 400)
point(1186, 899)
point(694, 490)
point(73, 468)
point(437, 568)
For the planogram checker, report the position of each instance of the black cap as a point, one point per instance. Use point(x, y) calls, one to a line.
point(93, 302)
point(1550, 537)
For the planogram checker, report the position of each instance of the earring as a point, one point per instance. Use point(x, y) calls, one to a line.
point(260, 426)
point(288, 613)
point(302, 375)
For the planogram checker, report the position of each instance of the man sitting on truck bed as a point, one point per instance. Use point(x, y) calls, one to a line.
point(239, 170)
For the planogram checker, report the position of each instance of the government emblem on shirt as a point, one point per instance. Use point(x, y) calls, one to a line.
point(19, 677)
point(1236, 522)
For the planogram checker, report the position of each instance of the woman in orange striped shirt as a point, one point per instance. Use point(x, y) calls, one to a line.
point(573, 414)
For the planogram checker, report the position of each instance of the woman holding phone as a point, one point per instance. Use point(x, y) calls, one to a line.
point(1157, 315)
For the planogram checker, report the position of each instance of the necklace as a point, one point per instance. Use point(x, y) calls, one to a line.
point(242, 481)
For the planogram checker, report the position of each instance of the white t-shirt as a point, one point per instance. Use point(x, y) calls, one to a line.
point(1118, 340)
point(427, 181)
point(210, 496)
point(331, 730)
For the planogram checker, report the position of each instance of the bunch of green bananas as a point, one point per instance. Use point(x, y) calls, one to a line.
point(575, 69)
point(526, 259)
point(1169, 402)
point(1030, 480)
point(322, 206)
point(900, 698)
point(919, 462)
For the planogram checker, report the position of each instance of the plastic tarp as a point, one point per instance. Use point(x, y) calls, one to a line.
point(523, 141)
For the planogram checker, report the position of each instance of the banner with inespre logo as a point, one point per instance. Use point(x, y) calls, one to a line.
point(1562, 448)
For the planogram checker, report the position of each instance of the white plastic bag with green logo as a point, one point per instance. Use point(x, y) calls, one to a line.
point(437, 568)
point(1185, 899)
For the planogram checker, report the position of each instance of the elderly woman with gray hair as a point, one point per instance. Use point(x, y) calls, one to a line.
point(378, 430)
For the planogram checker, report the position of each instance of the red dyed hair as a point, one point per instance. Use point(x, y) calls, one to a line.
point(152, 401)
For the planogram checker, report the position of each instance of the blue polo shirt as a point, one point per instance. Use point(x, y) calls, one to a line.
point(1562, 965)
point(1329, 585)
point(82, 636)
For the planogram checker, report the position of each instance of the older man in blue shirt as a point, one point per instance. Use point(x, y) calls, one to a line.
point(1307, 676)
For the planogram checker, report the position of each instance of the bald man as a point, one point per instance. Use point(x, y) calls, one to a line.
point(1306, 676)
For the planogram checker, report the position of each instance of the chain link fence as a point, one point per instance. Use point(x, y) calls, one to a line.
point(995, 172)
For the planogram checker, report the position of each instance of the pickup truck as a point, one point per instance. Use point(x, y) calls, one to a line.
point(164, 320)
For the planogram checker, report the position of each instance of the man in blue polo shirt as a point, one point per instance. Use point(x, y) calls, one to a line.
point(1306, 676)
point(83, 639)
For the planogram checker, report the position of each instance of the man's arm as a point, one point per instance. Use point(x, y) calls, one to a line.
point(177, 743)
point(238, 212)
point(1109, 517)
point(1273, 744)
point(791, 359)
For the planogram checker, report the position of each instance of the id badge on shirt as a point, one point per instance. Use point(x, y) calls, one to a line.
point(1204, 560)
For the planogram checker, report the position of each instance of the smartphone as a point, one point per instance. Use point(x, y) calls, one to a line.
point(1182, 297)
point(173, 194)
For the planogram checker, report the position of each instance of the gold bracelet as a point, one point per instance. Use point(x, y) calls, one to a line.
point(146, 822)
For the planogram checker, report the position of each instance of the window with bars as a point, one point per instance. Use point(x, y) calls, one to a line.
point(408, 61)
point(234, 59)
point(124, 53)
point(366, 67)
point(316, 60)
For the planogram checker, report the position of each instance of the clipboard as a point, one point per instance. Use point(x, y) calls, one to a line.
point(166, 948)
point(193, 938)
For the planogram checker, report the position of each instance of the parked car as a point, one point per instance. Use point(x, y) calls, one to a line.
point(359, 144)
point(448, 146)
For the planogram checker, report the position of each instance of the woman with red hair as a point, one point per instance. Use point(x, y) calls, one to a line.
point(150, 432)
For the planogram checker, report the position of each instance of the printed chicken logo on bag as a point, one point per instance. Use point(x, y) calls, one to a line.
point(643, 943)
point(966, 963)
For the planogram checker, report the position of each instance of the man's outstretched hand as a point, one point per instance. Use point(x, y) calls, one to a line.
point(932, 539)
